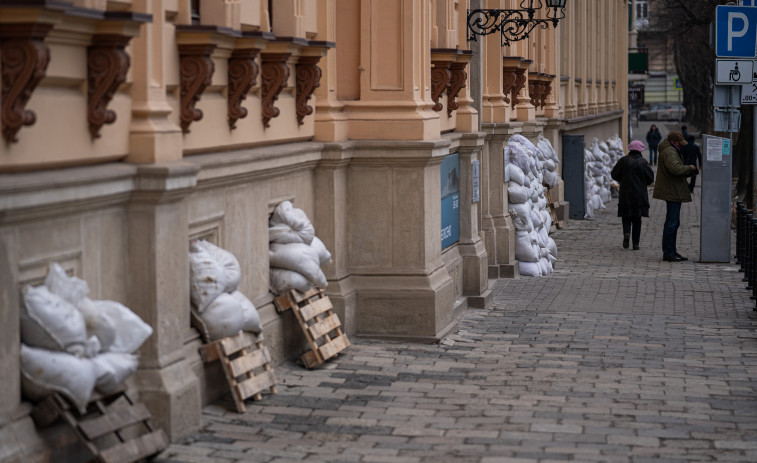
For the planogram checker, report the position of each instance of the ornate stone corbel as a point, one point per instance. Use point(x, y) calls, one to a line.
point(308, 76)
point(546, 90)
point(243, 70)
point(24, 57)
point(456, 82)
point(274, 78)
point(520, 82)
point(534, 88)
point(508, 81)
point(440, 77)
point(196, 73)
point(107, 64)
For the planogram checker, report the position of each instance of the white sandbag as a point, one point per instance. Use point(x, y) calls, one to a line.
point(549, 165)
point(299, 257)
point(207, 278)
point(282, 280)
point(250, 316)
point(521, 215)
point(525, 142)
point(44, 372)
point(223, 317)
point(525, 251)
point(536, 220)
point(529, 269)
point(324, 256)
point(228, 262)
point(93, 347)
point(589, 209)
point(517, 194)
point(300, 229)
point(603, 146)
point(517, 156)
point(71, 289)
point(98, 323)
point(112, 369)
point(131, 331)
point(515, 174)
point(526, 181)
point(552, 246)
point(49, 321)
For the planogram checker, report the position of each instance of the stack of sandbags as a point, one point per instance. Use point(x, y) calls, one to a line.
point(548, 156)
point(214, 276)
point(615, 144)
point(74, 345)
point(534, 249)
point(596, 179)
point(295, 253)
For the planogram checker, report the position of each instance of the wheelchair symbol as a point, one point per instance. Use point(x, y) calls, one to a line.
point(735, 75)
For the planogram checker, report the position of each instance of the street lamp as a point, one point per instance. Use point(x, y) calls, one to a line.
point(514, 25)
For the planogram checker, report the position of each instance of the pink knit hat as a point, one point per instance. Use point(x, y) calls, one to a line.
point(636, 145)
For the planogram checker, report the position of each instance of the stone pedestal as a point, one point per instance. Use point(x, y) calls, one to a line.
point(158, 290)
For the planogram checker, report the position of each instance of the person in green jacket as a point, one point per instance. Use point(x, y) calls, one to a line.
point(671, 187)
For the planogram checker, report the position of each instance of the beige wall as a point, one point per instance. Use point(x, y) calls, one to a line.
point(120, 209)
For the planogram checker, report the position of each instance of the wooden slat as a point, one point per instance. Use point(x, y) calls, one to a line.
point(299, 297)
point(310, 359)
point(283, 303)
point(316, 307)
point(136, 449)
point(336, 345)
point(209, 352)
point(252, 386)
point(116, 419)
point(236, 343)
point(250, 361)
point(324, 326)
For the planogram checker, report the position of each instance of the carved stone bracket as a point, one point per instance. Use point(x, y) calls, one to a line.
point(534, 88)
point(547, 89)
point(440, 77)
point(520, 82)
point(196, 71)
point(456, 82)
point(243, 70)
point(24, 58)
point(275, 74)
point(107, 64)
point(308, 76)
point(508, 81)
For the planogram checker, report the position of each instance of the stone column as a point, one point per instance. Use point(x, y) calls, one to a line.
point(471, 246)
point(330, 120)
point(158, 288)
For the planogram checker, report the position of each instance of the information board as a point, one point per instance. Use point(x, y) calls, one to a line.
point(450, 185)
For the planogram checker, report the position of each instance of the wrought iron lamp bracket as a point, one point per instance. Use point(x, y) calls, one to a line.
point(513, 25)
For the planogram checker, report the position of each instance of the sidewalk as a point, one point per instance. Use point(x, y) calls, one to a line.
point(615, 357)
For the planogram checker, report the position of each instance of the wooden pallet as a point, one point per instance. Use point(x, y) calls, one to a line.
point(319, 323)
point(246, 363)
point(553, 206)
point(113, 418)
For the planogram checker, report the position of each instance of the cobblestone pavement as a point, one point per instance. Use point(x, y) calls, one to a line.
point(615, 357)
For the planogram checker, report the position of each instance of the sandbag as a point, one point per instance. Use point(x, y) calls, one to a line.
point(112, 369)
point(525, 251)
point(250, 316)
point(71, 289)
point(529, 269)
point(299, 257)
point(521, 215)
point(92, 347)
point(131, 331)
point(551, 178)
point(552, 246)
point(44, 372)
point(515, 174)
point(289, 224)
point(282, 280)
point(324, 256)
point(223, 317)
point(207, 278)
point(228, 262)
point(98, 323)
point(549, 165)
point(517, 156)
point(517, 194)
point(49, 321)
point(536, 219)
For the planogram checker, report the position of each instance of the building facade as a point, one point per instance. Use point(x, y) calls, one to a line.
point(133, 126)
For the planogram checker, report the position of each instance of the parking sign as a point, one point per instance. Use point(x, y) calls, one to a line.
point(736, 31)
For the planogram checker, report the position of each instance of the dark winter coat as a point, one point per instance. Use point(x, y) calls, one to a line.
point(671, 184)
point(692, 155)
point(634, 174)
point(653, 138)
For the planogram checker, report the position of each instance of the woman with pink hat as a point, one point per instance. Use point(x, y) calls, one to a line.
point(634, 174)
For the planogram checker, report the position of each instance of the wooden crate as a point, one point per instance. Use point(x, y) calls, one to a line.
point(246, 363)
point(107, 419)
point(321, 326)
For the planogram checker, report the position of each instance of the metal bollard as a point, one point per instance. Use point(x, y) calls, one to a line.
point(739, 238)
point(748, 248)
point(751, 273)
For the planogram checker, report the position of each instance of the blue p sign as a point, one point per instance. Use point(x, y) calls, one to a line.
point(736, 34)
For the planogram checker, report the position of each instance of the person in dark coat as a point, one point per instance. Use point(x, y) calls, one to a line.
point(653, 139)
point(634, 174)
point(692, 156)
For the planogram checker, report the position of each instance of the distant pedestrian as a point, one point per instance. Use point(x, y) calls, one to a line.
point(685, 133)
point(653, 139)
point(692, 155)
point(634, 174)
point(672, 188)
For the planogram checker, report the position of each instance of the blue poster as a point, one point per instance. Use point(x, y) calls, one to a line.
point(450, 200)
